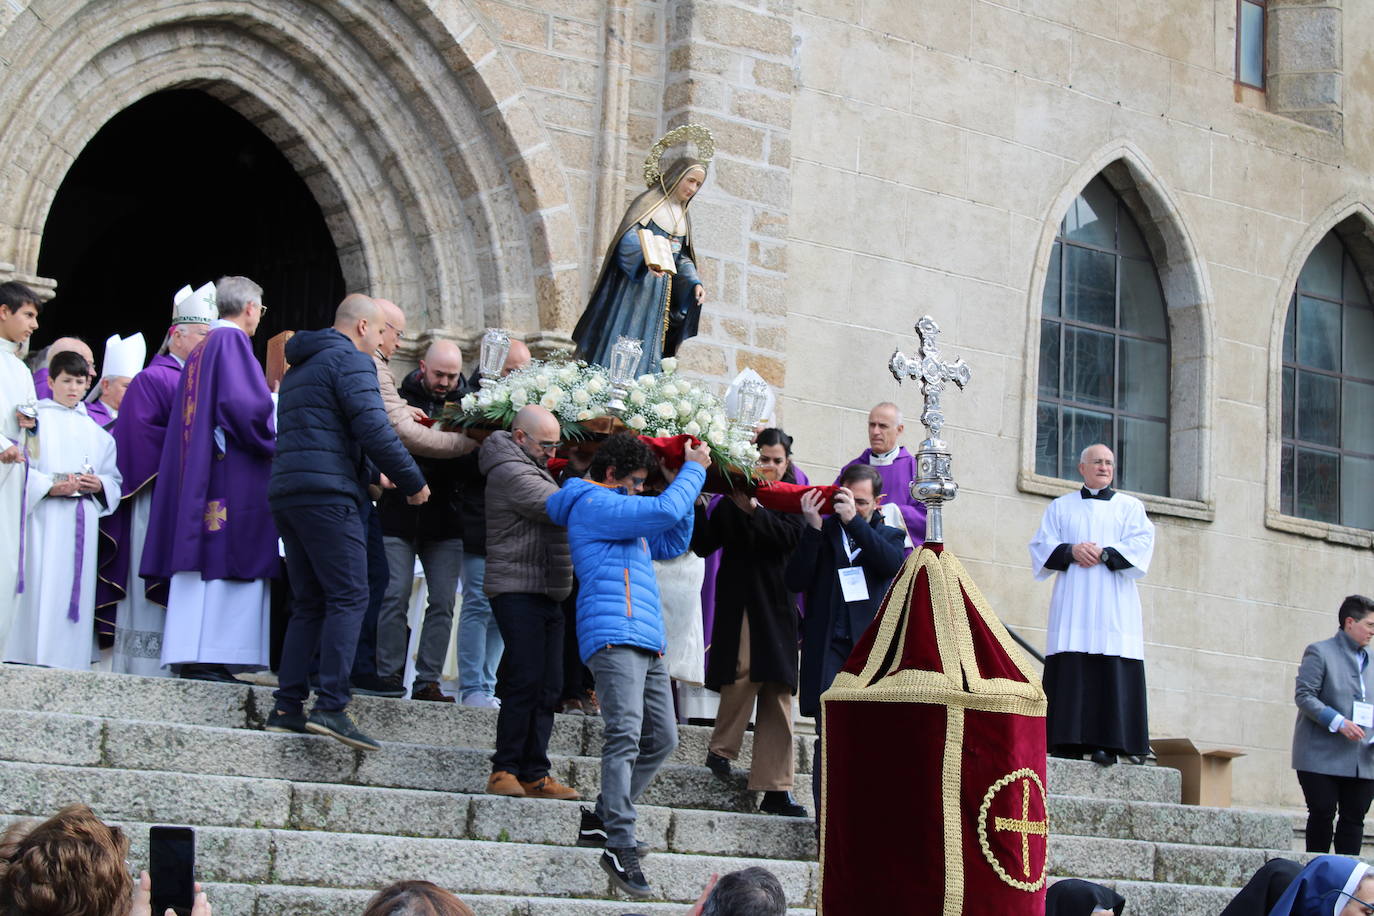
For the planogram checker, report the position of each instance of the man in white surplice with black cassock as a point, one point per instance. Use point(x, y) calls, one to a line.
point(1099, 542)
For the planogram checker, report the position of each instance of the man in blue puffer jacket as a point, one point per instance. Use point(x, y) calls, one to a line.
point(615, 536)
point(332, 435)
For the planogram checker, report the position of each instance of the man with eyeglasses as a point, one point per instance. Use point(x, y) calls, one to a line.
point(431, 531)
point(210, 531)
point(528, 572)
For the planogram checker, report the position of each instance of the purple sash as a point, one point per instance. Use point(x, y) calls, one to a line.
point(74, 609)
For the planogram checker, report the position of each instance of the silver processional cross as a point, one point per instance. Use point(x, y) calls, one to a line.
point(934, 484)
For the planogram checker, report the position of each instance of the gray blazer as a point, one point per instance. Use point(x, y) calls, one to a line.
point(1328, 684)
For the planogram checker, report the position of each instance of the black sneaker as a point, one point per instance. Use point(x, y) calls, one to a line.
point(720, 767)
point(371, 685)
point(781, 803)
point(218, 674)
point(338, 725)
point(622, 865)
point(280, 720)
point(592, 832)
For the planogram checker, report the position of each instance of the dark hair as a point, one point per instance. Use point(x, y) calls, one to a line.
point(623, 452)
point(752, 891)
point(416, 898)
point(1356, 607)
point(70, 362)
point(72, 864)
point(775, 436)
point(15, 295)
point(857, 472)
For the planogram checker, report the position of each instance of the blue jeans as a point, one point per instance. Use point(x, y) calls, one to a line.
point(479, 638)
point(365, 659)
point(640, 732)
point(326, 561)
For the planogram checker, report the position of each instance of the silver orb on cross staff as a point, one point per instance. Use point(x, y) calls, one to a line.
point(934, 484)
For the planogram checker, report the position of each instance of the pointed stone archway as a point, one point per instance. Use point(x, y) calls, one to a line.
point(438, 185)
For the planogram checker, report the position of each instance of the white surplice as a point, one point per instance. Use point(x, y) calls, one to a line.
point(1095, 610)
point(42, 632)
point(16, 387)
point(218, 622)
point(138, 621)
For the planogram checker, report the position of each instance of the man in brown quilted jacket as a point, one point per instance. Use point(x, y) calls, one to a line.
point(529, 571)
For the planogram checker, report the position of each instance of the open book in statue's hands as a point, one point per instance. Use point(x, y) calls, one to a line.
point(658, 251)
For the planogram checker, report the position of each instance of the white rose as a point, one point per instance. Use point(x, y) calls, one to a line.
point(664, 433)
point(692, 429)
point(718, 419)
point(684, 409)
point(596, 385)
point(519, 397)
point(738, 449)
point(542, 380)
point(550, 400)
point(637, 421)
point(637, 398)
point(556, 392)
point(484, 398)
point(669, 390)
point(568, 374)
point(669, 364)
point(468, 403)
point(664, 410)
point(703, 418)
point(580, 396)
point(648, 381)
point(583, 416)
point(716, 436)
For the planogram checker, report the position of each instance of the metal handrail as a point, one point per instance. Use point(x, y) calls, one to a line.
point(1021, 641)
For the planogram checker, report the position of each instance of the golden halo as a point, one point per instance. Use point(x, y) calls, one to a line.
point(699, 135)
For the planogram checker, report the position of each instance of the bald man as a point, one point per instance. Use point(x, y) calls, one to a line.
point(432, 532)
point(61, 345)
point(332, 429)
point(480, 645)
point(528, 572)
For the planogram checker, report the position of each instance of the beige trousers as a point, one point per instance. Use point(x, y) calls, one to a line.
point(775, 757)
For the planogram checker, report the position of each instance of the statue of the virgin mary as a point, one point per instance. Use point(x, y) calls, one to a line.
point(630, 298)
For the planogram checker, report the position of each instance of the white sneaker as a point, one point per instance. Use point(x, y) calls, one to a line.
point(482, 701)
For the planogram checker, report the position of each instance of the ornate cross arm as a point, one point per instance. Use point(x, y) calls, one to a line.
point(934, 484)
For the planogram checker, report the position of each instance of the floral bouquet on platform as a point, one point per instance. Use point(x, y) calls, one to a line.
point(660, 405)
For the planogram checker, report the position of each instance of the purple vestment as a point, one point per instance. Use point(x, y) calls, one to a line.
point(138, 435)
point(98, 412)
point(41, 388)
point(897, 478)
point(209, 512)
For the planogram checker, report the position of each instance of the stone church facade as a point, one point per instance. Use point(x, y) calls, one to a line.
point(877, 160)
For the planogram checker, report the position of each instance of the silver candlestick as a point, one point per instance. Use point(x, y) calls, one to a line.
point(491, 359)
point(934, 484)
point(625, 358)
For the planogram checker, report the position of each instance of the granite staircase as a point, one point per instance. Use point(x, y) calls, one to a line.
point(302, 825)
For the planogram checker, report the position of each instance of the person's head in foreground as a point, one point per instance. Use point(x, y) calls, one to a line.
point(751, 891)
point(1329, 886)
point(623, 461)
point(416, 898)
point(1072, 897)
point(72, 864)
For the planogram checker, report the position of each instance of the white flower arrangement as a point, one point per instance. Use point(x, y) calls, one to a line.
point(577, 393)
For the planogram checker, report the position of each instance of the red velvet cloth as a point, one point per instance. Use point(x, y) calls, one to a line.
point(887, 853)
point(786, 497)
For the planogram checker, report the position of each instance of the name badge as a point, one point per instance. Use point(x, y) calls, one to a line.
point(1363, 714)
point(853, 585)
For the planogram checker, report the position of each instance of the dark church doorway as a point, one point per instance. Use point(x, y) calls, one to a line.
point(180, 189)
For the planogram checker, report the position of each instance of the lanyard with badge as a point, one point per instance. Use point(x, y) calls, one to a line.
point(1363, 713)
point(852, 583)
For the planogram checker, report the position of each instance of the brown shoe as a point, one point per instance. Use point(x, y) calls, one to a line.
point(432, 693)
point(548, 787)
point(503, 783)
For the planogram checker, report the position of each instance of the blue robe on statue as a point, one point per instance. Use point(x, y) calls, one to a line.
point(629, 300)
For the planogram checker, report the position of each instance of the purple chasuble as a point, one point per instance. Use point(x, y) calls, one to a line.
point(41, 388)
point(209, 512)
point(138, 435)
point(897, 478)
point(98, 412)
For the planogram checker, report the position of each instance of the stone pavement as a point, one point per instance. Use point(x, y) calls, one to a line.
point(302, 825)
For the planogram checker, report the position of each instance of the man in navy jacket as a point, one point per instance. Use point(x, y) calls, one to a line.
point(843, 566)
point(332, 436)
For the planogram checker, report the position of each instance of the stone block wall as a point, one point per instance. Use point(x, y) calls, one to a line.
point(935, 149)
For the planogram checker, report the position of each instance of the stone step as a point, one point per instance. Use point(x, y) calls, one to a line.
point(238, 801)
point(366, 862)
point(169, 700)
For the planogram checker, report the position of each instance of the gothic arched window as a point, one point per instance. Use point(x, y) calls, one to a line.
point(1327, 472)
point(1104, 347)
